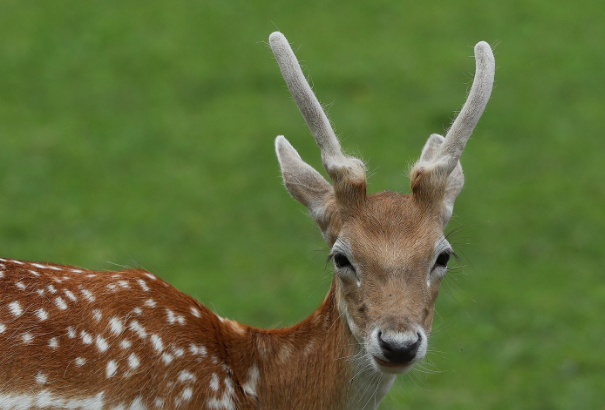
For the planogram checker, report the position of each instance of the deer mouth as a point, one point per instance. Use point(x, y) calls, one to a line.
point(390, 367)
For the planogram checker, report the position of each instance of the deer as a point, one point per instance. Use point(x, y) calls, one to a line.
point(73, 338)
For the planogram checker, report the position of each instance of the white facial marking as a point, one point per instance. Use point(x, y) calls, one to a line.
point(116, 325)
point(102, 344)
point(53, 342)
point(42, 314)
point(156, 342)
point(60, 303)
point(111, 369)
point(133, 361)
point(15, 308)
point(41, 378)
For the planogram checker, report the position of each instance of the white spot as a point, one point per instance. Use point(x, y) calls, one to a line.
point(86, 338)
point(150, 303)
point(116, 325)
point(136, 327)
point(102, 344)
point(37, 265)
point(42, 315)
point(53, 342)
point(180, 319)
point(187, 394)
point(214, 382)
point(33, 272)
point(71, 332)
point(124, 284)
point(197, 350)
point(2, 328)
point(27, 337)
point(171, 316)
point(167, 358)
point(112, 366)
point(1, 273)
point(125, 344)
point(20, 285)
point(87, 294)
point(76, 270)
point(133, 361)
point(91, 275)
point(143, 285)
point(51, 289)
point(17, 262)
point(150, 276)
point(66, 278)
point(137, 311)
point(97, 314)
point(185, 376)
point(80, 361)
point(41, 378)
point(70, 295)
point(195, 312)
point(159, 403)
point(15, 308)
point(250, 385)
point(60, 303)
point(156, 342)
point(40, 292)
point(178, 352)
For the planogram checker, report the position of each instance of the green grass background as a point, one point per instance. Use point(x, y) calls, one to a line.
point(141, 134)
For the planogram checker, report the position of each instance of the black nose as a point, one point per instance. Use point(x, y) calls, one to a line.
point(397, 352)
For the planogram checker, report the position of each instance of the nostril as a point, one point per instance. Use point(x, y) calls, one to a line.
point(399, 352)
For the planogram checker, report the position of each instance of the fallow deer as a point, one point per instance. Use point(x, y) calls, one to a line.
point(71, 338)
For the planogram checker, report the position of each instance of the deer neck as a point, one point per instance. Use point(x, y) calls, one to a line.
point(316, 364)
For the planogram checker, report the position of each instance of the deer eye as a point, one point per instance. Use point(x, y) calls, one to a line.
point(342, 261)
point(442, 259)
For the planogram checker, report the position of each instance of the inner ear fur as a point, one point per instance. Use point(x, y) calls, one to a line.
point(309, 188)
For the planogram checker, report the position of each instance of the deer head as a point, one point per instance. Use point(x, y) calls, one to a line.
point(389, 249)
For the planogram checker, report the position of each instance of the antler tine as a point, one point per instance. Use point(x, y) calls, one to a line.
point(473, 108)
point(309, 106)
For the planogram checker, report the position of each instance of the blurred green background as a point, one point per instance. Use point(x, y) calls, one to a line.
point(141, 134)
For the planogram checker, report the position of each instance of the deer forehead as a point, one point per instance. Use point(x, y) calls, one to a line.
point(393, 229)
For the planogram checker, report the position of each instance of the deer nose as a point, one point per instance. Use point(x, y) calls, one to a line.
point(399, 351)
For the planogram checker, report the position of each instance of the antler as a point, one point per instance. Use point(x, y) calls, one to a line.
point(462, 128)
point(339, 166)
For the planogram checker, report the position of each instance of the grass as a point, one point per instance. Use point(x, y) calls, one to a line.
point(141, 134)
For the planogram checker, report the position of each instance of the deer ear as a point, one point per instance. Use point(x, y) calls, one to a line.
point(455, 181)
point(306, 185)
